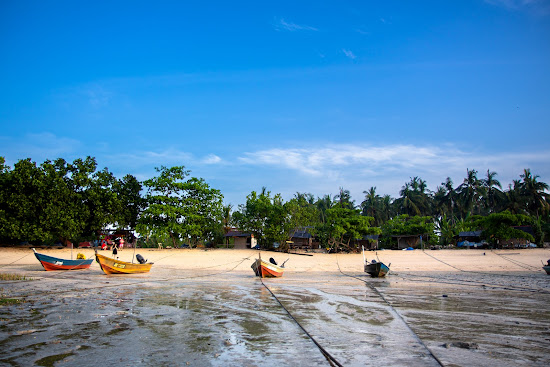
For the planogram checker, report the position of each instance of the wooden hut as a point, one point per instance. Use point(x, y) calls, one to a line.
point(241, 240)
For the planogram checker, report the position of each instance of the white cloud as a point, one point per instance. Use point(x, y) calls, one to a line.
point(281, 24)
point(349, 54)
point(319, 169)
point(211, 159)
point(322, 170)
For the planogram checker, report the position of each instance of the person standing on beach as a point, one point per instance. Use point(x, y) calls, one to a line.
point(115, 252)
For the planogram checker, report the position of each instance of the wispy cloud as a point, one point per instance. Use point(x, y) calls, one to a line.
point(39, 147)
point(283, 25)
point(539, 7)
point(211, 159)
point(320, 169)
point(358, 167)
point(349, 54)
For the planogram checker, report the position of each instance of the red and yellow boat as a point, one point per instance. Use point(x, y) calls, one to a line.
point(115, 266)
point(267, 269)
point(55, 263)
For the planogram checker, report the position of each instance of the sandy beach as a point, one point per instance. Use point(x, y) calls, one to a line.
point(206, 308)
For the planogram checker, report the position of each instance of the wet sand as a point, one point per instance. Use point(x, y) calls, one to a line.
point(206, 308)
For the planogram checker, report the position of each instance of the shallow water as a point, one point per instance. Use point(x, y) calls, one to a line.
point(217, 317)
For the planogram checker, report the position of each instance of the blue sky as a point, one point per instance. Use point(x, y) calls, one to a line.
point(296, 96)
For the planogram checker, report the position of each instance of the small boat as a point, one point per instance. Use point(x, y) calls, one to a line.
point(267, 269)
point(55, 263)
point(115, 266)
point(375, 269)
point(547, 269)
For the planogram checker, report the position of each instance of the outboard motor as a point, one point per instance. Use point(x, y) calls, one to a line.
point(140, 259)
point(272, 260)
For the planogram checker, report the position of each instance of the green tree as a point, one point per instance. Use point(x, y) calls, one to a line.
point(470, 194)
point(406, 225)
point(415, 198)
point(131, 203)
point(265, 217)
point(500, 226)
point(534, 192)
point(344, 225)
point(493, 191)
point(180, 210)
point(302, 213)
point(343, 199)
point(322, 205)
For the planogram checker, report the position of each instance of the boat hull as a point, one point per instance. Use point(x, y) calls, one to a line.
point(547, 269)
point(113, 266)
point(51, 263)
point(377, 270)
point(266, 269)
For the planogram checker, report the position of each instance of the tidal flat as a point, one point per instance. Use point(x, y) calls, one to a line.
point(222, 315)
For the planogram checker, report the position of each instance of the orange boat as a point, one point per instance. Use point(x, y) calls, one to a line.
point(113, 266)
point(265, 269)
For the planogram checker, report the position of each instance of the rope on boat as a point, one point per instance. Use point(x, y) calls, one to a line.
point(326, 354)
point(372, 287)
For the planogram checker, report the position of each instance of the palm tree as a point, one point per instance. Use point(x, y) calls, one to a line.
point(322, 205)
point(445, 199)
point(369, 205)
point(415, 198)
point(492, 186)
point(514, 202)
point(534, 193)
point(406, 202)
point(376, 206)
point(226, 220)
point(470, 194)
point(386, 211)
point(344, 199)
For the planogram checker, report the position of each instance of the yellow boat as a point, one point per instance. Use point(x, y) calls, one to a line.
point(112, 266)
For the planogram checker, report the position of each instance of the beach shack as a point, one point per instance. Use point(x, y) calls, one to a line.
point(518, 242)
point(409, 240)
point(369, 242)
point(302, 239)
point(241, 240)
point(469, 239)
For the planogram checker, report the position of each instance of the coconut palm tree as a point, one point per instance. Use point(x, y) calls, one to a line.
point(493, 191)
point(376, 206)
point(470, 194)
point(514, 202)
point(415, 198)
point(343, 199)
point(534, 192)
point(369, 205)
point(445, 199)
point(322, 205)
